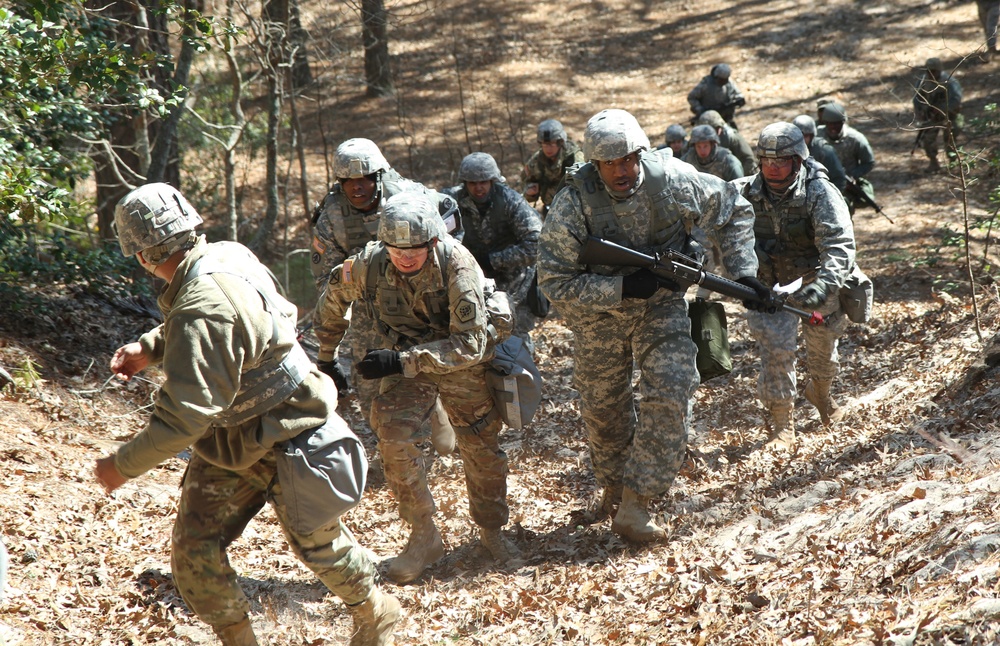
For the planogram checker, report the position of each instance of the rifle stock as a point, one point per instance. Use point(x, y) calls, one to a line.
point(677, 267)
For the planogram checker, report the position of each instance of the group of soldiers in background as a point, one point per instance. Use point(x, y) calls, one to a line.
point(419, 286)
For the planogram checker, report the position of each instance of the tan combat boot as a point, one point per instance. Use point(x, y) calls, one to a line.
point(238, 634)
point(424, 548)
point(782, 432)
point(818, 394)
point(442, 433)
point(633, 520)
point(603, 506)
point(502, 549)
point(374, 619)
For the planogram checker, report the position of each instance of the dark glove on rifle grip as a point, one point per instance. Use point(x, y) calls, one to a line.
point(334, 371)
point(765, 300)
point(811, 296)
point(640, 284)
point(380, 363)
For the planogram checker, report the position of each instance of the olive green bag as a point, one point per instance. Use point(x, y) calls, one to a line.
point(711, 334)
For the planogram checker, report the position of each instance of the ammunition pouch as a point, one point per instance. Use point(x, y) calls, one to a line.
point(857, 296)
point(710, 334)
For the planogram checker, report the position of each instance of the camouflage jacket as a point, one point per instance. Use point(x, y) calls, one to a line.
point(505, 229)
point(549, 173)
point(807, 233)
point(339, 229)
point(437, 316)
point(709, 95)
point(643, 222)
point(723, 163)
point(737, 144)
point(823, 152)
point(216, 330)
point(937, 100)
point(853, 150)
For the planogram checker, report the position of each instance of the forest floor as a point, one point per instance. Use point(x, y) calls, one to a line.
point(883, 529)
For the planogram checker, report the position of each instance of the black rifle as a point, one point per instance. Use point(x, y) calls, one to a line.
point(853, 190)
point(684, 270)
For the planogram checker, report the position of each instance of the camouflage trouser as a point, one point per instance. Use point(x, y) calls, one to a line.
point(397, 414)
point(989, 18)
point(360, 337)
point(950, 129)
point(216, 505)
point(776, 336)
point(644, 454)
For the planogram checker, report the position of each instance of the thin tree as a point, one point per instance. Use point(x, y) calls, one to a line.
point(374, 36)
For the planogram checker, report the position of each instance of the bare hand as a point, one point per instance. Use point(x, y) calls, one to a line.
point(108, 475)
point(129, 360)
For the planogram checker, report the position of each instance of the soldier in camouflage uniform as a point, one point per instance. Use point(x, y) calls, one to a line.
point(821, 151)
point(717, 92)
point(706, 155)
point(542, 176)
point(731, 139)
point(624, 319)
point(501, 231)
point(676, 139)
point(803, 230)
point(343, 223)
point(236, 384)
point(426, 294)
point(853, 151)
point(989, 18)
point(937, 105)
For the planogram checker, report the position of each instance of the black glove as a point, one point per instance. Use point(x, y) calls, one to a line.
point(380, 363)
point(765, 300)
point(641, 284)
point(333, 370)
point(811, 296)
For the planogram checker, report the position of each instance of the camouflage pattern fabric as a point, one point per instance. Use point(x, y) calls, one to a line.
point(444, 356)
point(722, 163)
point(857, 158)
point(642, 451)
point(506, 229)
point(737, 144)
point(823, 152)
point(397, 413)
point(989, 18)
point(806, 234)
point(709, 95)
point(215, 507)
point(549, 173)
point(853, 150)
point(937, 105)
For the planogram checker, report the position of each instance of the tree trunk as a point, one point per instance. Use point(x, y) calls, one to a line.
point(374, 28)
point(293, 42)
point(260, 239)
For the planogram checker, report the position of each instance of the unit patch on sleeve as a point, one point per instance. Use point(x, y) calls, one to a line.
point(466, 311)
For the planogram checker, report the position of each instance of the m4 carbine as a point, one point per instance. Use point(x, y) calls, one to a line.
point(684, 270)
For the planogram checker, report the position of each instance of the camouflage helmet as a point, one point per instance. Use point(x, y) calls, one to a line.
point(782, 139)
point(551, 130)
point(154, 215)
point(833, 112)
point(479, 167)
point(711, 118)
point(806, 124)
point(613, 134)
point(934, 65)
point(721, 71)
point(358, 158)
point(675, 132)
point(410, 219)
point(704, 133)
